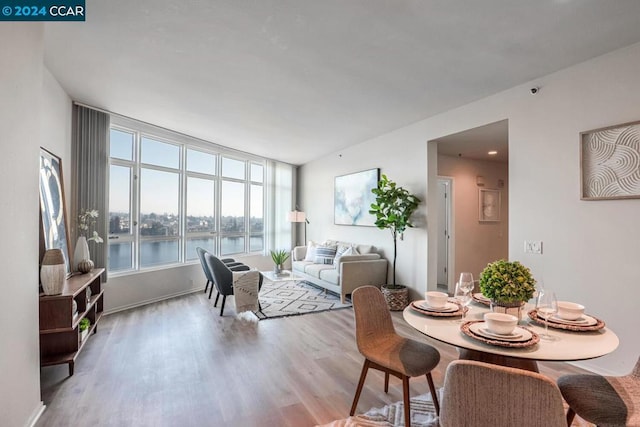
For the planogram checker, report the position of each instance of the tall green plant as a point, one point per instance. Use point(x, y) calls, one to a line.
point(393, 209)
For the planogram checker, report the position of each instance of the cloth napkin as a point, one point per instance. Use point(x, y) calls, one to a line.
point(245, 290)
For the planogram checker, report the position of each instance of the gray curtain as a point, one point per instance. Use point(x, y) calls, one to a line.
point(90, 173)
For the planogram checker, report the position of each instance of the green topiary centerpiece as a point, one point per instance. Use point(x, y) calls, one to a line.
point(507, 282)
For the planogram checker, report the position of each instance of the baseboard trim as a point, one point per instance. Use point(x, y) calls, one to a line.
point(152, 300)
point(36, 414)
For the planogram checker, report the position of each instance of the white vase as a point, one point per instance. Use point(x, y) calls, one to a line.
point(53, 272)
point(81, 252)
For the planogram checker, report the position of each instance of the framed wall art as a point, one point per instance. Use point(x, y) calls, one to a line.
point(610, 162)
point(53, 221)
point(353, 198)
point(488, 205)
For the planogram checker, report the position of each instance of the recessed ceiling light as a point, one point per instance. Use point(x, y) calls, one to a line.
point(492, 153)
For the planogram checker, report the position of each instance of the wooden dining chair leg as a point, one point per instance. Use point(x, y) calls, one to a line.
point(386, 382)
point(407, 407)
point(570, 415)
point(434, 393)
point(363, 375)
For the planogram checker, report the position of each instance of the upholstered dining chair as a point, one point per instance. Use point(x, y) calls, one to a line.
point(207, 274)
point(484, 394)
point(223, 278)
point(384, 350)
point(604, 401)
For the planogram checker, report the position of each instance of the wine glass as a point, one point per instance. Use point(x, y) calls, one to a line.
point(547, 306)
point(462, 294)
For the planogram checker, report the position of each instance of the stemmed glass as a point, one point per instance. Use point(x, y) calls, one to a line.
point(463, 291)
point(547, 306)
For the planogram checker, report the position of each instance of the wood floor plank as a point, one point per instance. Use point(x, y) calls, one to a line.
point(178, 363)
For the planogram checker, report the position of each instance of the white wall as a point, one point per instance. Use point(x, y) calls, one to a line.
point(591, 249)
point(21, 80)
point(476, 243)
point(146, 287)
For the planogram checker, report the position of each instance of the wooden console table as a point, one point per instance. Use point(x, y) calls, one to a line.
point(60, 337)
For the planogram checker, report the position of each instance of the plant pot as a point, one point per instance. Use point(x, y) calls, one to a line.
point(277, 270)
point(513, 308)
point(397, 296)
point(83, 334)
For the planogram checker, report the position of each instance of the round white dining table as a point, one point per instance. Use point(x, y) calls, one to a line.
point(567, 346)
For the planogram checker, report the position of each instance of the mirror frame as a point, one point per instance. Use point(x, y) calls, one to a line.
point(53, 218)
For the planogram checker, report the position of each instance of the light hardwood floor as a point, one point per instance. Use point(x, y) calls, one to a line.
point(178, 363)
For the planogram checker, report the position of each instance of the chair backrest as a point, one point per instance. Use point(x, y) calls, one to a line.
point(222, 276)
point(205, 268)
point(482, 394)
point(636, 369)
point(373, 320)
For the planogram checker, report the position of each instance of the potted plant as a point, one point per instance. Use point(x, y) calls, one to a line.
point(279, 257)
point(84, 328)
point(508, 284)
point(393, 208)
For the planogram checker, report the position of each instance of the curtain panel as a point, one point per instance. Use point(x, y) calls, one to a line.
point(90, 174)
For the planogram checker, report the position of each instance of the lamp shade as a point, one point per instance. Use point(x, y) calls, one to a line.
point(297, 216)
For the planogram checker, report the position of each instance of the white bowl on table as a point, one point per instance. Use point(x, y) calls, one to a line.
point(500, 323)
point(570, 310)
point(436, 299)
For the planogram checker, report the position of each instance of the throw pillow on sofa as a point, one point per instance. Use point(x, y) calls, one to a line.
point(344, 250)
point(310, 256)
point(325, 254)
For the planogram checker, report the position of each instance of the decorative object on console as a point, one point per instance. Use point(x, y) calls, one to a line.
point(86, 219)
point(53, 272)
point(85, 324)
point(393, 208)
point(352, 198)
point(610, 162)
point(279, 257)
point(509, 285)
point(489, 205)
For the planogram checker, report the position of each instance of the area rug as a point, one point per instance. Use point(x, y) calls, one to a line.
point(422, 415)
point(283, 299)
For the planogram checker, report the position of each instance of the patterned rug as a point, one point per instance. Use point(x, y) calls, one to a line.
point(283, 299)
point(422, 415)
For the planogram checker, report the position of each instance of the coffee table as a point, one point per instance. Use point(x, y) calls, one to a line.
point(285, 276)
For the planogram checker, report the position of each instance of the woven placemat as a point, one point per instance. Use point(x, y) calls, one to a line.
point(464, 328)
point(533, 315)
point(440, 313)
point(481, 301)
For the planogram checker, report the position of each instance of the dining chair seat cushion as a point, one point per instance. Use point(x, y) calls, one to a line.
point(406, 356)
point(604, 401)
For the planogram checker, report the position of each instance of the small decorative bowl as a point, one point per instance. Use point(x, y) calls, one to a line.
point(500, 323)
point(570, 310)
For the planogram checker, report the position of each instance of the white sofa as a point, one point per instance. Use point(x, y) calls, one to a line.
point(361, 265)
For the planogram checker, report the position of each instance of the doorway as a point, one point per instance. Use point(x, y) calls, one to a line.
point(445, 260)
point(462, 239)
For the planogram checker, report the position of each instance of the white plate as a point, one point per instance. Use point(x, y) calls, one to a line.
point(519, 334)
point(480, 297)
point(448, 308)
point(584, 320)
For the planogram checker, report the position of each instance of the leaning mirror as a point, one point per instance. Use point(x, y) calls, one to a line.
point(53, 223)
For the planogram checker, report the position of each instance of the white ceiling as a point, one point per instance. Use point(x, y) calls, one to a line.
point(294, 80)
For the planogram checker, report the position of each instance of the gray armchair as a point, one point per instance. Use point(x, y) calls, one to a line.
point(223, 278)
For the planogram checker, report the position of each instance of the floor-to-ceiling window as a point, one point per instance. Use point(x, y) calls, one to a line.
point(168, 196)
